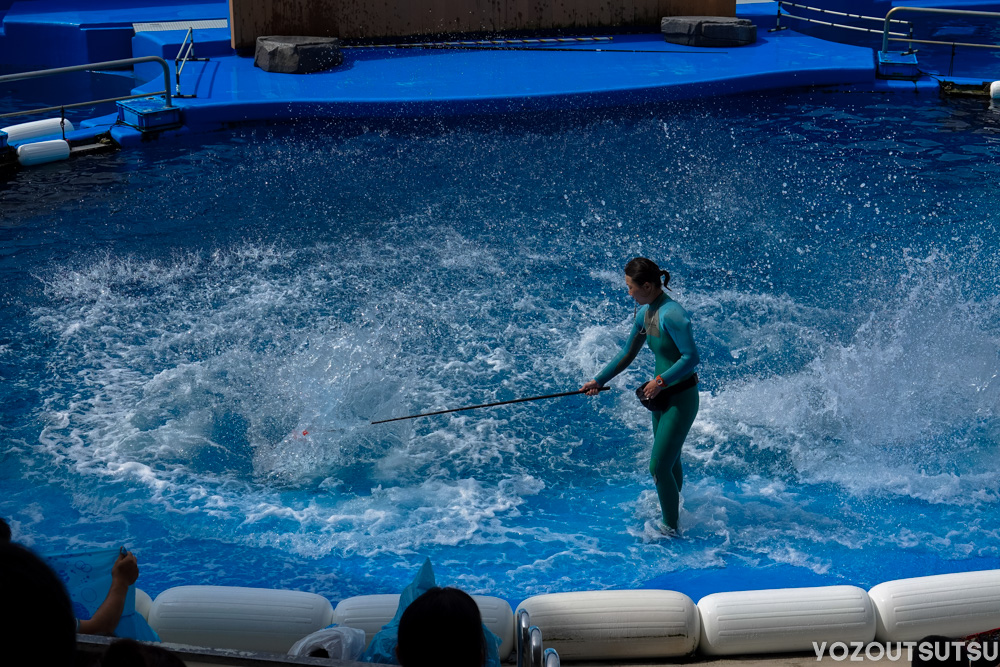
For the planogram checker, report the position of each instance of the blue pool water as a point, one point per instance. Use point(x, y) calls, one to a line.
point(175, 316)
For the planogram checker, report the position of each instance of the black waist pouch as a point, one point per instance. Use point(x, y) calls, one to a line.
point(662, 400)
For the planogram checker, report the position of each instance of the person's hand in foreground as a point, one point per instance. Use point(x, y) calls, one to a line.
point(123, 574)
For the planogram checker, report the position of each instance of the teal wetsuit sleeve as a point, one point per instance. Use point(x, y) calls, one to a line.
point(677, 322)
point(627, 354)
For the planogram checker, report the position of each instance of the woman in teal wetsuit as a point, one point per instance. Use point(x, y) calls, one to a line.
point(667, 327)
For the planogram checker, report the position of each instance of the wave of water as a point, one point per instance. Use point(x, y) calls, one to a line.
point(224, 421)
point(207, 392)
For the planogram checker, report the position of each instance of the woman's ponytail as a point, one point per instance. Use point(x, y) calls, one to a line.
point(643, 270)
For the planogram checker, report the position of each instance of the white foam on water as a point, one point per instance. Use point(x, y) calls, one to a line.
point(396, 520)
point(233, 386)
point(900, 411)
point(193, 378)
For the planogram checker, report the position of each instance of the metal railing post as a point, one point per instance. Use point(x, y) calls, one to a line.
point(523, 630)
point(535, 644)
point(178, 65)
point(183, 58)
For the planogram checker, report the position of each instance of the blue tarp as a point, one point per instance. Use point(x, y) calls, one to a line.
point(87, 575)
point(382, 649)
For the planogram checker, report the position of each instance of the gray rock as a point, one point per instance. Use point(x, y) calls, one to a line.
point(714, 31)
point(297, 55)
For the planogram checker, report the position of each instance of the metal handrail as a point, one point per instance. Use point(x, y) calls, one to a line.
point(179, 62)
point(782, 4)
point(901, 36)
point(110, 64)
point(933, 10)
point(830, 11)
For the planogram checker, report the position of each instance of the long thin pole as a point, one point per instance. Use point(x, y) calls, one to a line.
point(546, 49)
point(486, 405)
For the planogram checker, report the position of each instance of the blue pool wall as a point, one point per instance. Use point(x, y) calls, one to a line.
point(58, 33)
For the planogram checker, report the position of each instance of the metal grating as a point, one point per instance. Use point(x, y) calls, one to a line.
point(180, 25)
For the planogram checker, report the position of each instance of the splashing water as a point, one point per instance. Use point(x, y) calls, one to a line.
point(196, 337)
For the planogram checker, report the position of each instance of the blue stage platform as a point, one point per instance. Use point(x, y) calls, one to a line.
point(410, 81)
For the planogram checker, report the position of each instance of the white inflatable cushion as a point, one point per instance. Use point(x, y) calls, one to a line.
point(371, 612)
point(36, 128)
point(42, 152)
point(953, 605)
point(366, 612)
point(250, 619)
point(784, 619)
point(604, 625)
point(143, 603)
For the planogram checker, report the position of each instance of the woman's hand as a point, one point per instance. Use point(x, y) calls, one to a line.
point(652, 389)
point(591, 388)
